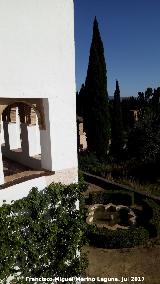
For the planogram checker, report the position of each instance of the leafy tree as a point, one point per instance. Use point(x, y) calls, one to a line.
point(128, 104)
point(156, 101)
point(148, 95)
point(96, 114)
point(144, 98)
point(144, 139)
point(117, 131)
point(145, 102)
point(141, 99)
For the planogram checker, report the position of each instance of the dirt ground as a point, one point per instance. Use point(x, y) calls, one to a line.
point(124, 262)
point(112, 263)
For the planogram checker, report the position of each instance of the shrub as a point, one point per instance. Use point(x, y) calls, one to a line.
point(155, 219)
point(82, 184)
point(40, 234)
point(105, 238)
point(111, 196)
point(89, 163)
point(131, 237)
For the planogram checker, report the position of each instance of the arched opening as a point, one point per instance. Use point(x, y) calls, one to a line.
point(20, 134)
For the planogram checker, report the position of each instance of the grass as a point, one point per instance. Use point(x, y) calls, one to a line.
point(143, 178)
point(149, 188)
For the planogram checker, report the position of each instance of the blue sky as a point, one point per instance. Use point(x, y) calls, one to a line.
point(130, 32)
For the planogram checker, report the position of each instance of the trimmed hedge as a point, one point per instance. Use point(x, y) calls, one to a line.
point(88, 162)
point(127, 238)
point(140, 171)
point(105, 238)
point(111, 196)
point(155, 219)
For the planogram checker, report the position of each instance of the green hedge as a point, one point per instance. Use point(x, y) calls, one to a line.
point(40, 234)
point(105, 238)
point(88, 162)
point(155, 219)
point(111, 196)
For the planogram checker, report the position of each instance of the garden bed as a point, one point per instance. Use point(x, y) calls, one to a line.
point(147, 226)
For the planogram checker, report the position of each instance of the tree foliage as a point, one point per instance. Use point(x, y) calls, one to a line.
point(117, 131)
point(40, 234)
point(128, 104)
point(96, 114)
point(144, 139)
point(80, 98)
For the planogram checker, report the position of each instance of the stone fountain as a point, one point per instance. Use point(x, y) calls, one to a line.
point(111, 216)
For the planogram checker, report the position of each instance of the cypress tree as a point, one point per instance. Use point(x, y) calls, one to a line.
point(117, 132)
point(80, 100)
point(96, 114)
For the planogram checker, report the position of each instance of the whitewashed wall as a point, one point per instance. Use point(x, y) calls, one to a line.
point(37, 60)
point(21, 190)
point(37, 48)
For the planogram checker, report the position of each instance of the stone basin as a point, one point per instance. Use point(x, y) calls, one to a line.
point(111, 216)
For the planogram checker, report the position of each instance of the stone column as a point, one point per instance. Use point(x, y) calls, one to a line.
point(2, 132)
point(38, 145)
point(6, 134)
point(1, 163)
point(14, 133)
point(59, 141)
point(18, 129)
point(45, 141)
point(33, 140)
point(24, 139)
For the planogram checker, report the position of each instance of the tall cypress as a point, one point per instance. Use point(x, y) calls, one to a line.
point(117, 131)
point(96, 114)
point(80, 100)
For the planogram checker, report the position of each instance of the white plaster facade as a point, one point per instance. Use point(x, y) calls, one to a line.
point(18, 193)
point(37, 67)
point(20, 190)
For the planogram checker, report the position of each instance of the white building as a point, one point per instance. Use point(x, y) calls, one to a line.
point(37, 95)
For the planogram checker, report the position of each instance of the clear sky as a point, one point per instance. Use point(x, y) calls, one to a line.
point(130, 31)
